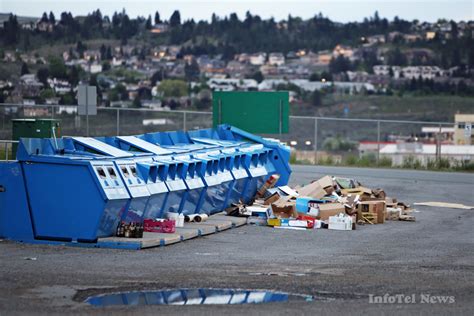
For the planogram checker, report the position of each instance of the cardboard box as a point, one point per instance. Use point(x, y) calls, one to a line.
point(313, 190)
point(285, 208)
point(330, 209)
point(376, 207)
point(273, 222)
point(340, 222)
point(325, 182)
point(272, 199)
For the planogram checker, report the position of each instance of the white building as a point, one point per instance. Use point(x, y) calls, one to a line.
point(232, 84)
point(276, 59)
point(424, 153)
point(257, 59)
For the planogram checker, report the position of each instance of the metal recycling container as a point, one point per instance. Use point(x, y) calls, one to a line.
point(70, 197)
point(77, 189)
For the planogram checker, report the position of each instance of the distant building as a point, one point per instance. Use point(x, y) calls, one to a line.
point(257, 59)
point(44, 26)
point(276, 59)
point(463, 125)
point(430, 35)
point(342, 50)
point(424, 153)
point(159, 28)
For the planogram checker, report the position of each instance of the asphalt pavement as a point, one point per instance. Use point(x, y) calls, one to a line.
point(430, 260)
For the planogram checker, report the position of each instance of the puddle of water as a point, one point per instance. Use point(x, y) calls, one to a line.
point(195, 297)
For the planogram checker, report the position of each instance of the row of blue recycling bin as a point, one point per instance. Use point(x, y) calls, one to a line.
point(78, 189)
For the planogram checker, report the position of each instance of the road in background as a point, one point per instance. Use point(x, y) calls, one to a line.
point(341, 269)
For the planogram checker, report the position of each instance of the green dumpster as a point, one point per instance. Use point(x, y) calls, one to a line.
point(34, 128)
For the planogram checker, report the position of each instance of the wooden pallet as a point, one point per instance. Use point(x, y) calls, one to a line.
point(370, 218)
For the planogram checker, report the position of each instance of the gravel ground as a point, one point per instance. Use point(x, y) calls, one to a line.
point(432, 256)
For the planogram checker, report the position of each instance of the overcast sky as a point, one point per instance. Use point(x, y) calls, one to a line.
point(337, 10)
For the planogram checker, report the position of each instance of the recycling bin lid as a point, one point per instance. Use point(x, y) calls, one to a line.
point(101, 147)
point(144, 145)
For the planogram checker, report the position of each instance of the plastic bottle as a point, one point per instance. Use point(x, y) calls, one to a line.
point(180, 221)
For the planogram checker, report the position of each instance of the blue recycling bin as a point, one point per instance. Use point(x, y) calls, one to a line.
point(77, 189)
point(71, 197)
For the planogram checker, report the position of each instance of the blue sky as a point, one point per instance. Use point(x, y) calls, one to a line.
point(337, 10)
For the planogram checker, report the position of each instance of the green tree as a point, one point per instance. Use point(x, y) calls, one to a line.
point(73, 76)
point(24, 69)
point(396, 58)
point(47, 93)
point(157, 18)
point(258, 76)
point(191, 70)
point(315, 77)
point(148, 23)
point(173, 88)
point(136, 102)
point(316, 99)
point(57, 68)
point(175, 19)
point(43, 74)
point(339, 64)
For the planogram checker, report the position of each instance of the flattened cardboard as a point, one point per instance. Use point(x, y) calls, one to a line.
point(358, 190)
point(325, 182)
point(313, 190)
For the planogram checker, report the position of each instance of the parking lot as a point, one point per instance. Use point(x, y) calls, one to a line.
point(341, 269)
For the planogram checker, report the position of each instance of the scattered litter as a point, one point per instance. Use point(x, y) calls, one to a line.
point(159, 226)
point(341, 222)
point(130, 230)
point(197, 218)
point(30, 258)
point(448, 205)
point(329, 202)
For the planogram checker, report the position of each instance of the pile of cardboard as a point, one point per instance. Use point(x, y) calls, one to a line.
point(330, 202)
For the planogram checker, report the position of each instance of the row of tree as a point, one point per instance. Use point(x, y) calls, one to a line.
point(231, 34)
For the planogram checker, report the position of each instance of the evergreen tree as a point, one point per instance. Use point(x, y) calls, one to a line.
point(24, 69)
point(52, 19)
point(44, 18)
point(43, 74)
point(175, 19)
point(157, 18)
point(258, 76)
point(191, 70)
point(148, 23)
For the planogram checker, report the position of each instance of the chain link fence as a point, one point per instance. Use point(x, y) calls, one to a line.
point(314, 139)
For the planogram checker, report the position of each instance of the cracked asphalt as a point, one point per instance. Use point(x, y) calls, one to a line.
point(432, 256)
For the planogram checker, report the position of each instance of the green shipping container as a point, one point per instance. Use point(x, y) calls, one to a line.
point(254, 112)
point(34, 128)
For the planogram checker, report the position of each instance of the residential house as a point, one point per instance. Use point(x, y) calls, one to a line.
point(257, 59)
point(343, 50)
point(44, 26)
point(324, 57)
point(92, 55)
point(159, 28)
point(236, 69)
point(276, 59)
point(59, 86)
